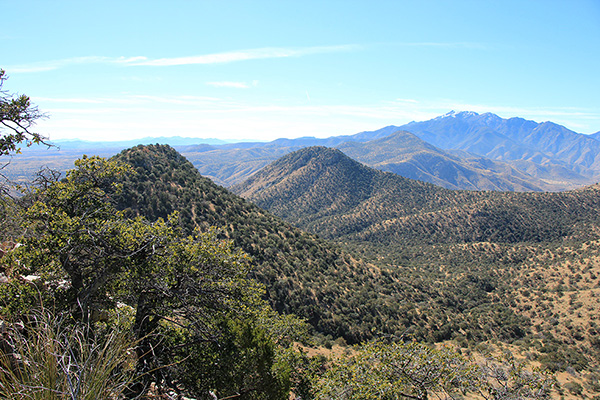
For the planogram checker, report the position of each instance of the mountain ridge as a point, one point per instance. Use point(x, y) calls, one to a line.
point(513, 263)
point(337, 292)
point(494, 154)
point(513, 139)
point(294, 266)
point(405, 154)
point(327, 193)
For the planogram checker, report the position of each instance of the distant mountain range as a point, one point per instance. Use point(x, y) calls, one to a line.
point(515, 140)
point(405, 154)
point(74, 144)
point(463, 150)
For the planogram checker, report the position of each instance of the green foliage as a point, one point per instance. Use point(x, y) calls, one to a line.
point(240, 363)
point(75, 233)
point(93, 259)
point(416, 371)
point(252, 357)
point(397, 371)
point(18, 297)
point(10, 222)
point(190, 284)
point(557, 357)
point(303, 274)
point(17, 116)
point(303, 371)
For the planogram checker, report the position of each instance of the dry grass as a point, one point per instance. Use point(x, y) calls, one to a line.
point(48, 359)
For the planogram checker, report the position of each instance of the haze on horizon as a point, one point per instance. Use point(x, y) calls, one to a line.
point(263, 70)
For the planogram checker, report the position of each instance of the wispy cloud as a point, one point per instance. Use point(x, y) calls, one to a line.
point(131, 100)
point(51, 65)
point(218, 58)
point(244, 55)
point(214, 58)
point(411, 101)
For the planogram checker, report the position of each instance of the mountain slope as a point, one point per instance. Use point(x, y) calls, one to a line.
point(514, 139)
point(294, 266)
point(496, 265)
point(405, 154)
point(338, 294)
point(325, 192)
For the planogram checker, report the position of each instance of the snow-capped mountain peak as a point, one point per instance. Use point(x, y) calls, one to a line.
point(460, 114)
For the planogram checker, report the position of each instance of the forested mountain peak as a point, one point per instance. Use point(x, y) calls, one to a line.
point(472, 257)
point(338, 294)
point(303, 167)
point(327, 193)
point(316, 182)
point(302, 273)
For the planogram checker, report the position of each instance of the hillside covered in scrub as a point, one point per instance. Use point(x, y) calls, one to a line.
point(116, 230)
point(310, 200)
point(500, 265)
point(339, 295)
point(324, 191)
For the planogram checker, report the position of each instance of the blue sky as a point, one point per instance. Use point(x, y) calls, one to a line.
point(108, 70)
